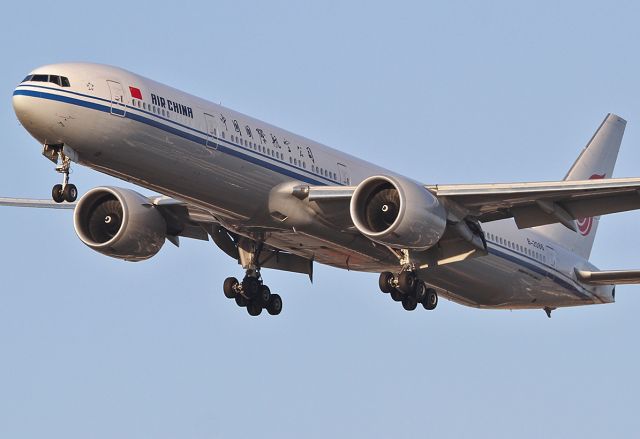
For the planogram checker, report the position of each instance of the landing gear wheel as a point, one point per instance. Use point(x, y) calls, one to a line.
point(409, 303)
point(70, 193)
point(407, 281)
point(396, 295)
point(56, 193)
point(421, 292)
point(254, 309)
point(264, 294)
point(229, 287)
point(241, 301)
point(250, 287)
point(274, 307)
point(386, 282)
point(431, 300)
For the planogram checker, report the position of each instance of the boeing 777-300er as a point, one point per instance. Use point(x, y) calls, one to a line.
point(273, 199)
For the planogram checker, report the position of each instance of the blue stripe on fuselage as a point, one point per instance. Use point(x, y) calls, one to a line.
point(495, 250)
point(167, 128)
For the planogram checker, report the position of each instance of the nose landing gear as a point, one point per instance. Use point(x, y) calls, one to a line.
point(407, 288)
point(65, 191)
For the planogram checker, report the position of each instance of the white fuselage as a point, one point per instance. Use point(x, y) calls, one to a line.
point(229, 163)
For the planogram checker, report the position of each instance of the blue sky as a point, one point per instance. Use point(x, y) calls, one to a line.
point(444, 92)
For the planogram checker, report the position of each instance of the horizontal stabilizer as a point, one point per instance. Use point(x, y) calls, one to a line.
point(613, 277)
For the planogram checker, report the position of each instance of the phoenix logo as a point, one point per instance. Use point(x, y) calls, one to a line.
point(586, 224)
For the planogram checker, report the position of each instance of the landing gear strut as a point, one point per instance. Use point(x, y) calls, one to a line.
point(65, 191)
point(407, 288)
point(252, 293)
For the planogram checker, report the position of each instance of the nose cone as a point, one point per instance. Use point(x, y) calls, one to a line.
point(32, 114)
point(20, 106)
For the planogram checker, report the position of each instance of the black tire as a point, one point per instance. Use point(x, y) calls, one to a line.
point(250, 287)
point(241, 301)
point(432, 299)
point(263, 296)
point(229, 287)
point(407, 282)
point(386, 282)
point(396, 295)
point(421, 292)
point(274, 307)
point(254, 309)
point(70, 193)
point(409, 303)
point(56, 193)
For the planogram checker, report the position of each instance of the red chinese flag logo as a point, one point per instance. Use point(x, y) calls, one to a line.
point(135, 92)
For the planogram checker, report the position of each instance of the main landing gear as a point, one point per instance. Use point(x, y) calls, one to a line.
point(252, 294)
point(407, 288)
point(65, 191)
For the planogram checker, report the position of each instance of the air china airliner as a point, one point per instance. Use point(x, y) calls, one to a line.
point(270, 198)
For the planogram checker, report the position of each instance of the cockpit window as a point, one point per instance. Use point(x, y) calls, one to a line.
point(61, 81)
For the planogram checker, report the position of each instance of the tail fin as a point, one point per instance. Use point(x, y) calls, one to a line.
point(596, 160)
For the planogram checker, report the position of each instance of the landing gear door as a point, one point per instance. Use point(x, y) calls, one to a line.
point(212, 131)
point(118, 107)
point(345, 178)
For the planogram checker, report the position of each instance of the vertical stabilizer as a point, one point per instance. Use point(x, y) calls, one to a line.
point(596, 160)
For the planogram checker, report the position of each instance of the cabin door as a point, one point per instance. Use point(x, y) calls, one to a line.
point(118, 107)
point(212, 131)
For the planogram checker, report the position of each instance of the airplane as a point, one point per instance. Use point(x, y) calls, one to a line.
point(272, 199)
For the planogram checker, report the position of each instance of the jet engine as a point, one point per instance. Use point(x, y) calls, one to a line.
point(119, 223)
point(398, 212)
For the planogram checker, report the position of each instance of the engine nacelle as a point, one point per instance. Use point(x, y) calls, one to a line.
point(398, 212)
point(119, 223)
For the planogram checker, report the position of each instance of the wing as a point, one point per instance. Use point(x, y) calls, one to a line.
point(29, 202)
point(530, 204)
point(540, 203)
point(182, 219)
point(189, 221)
